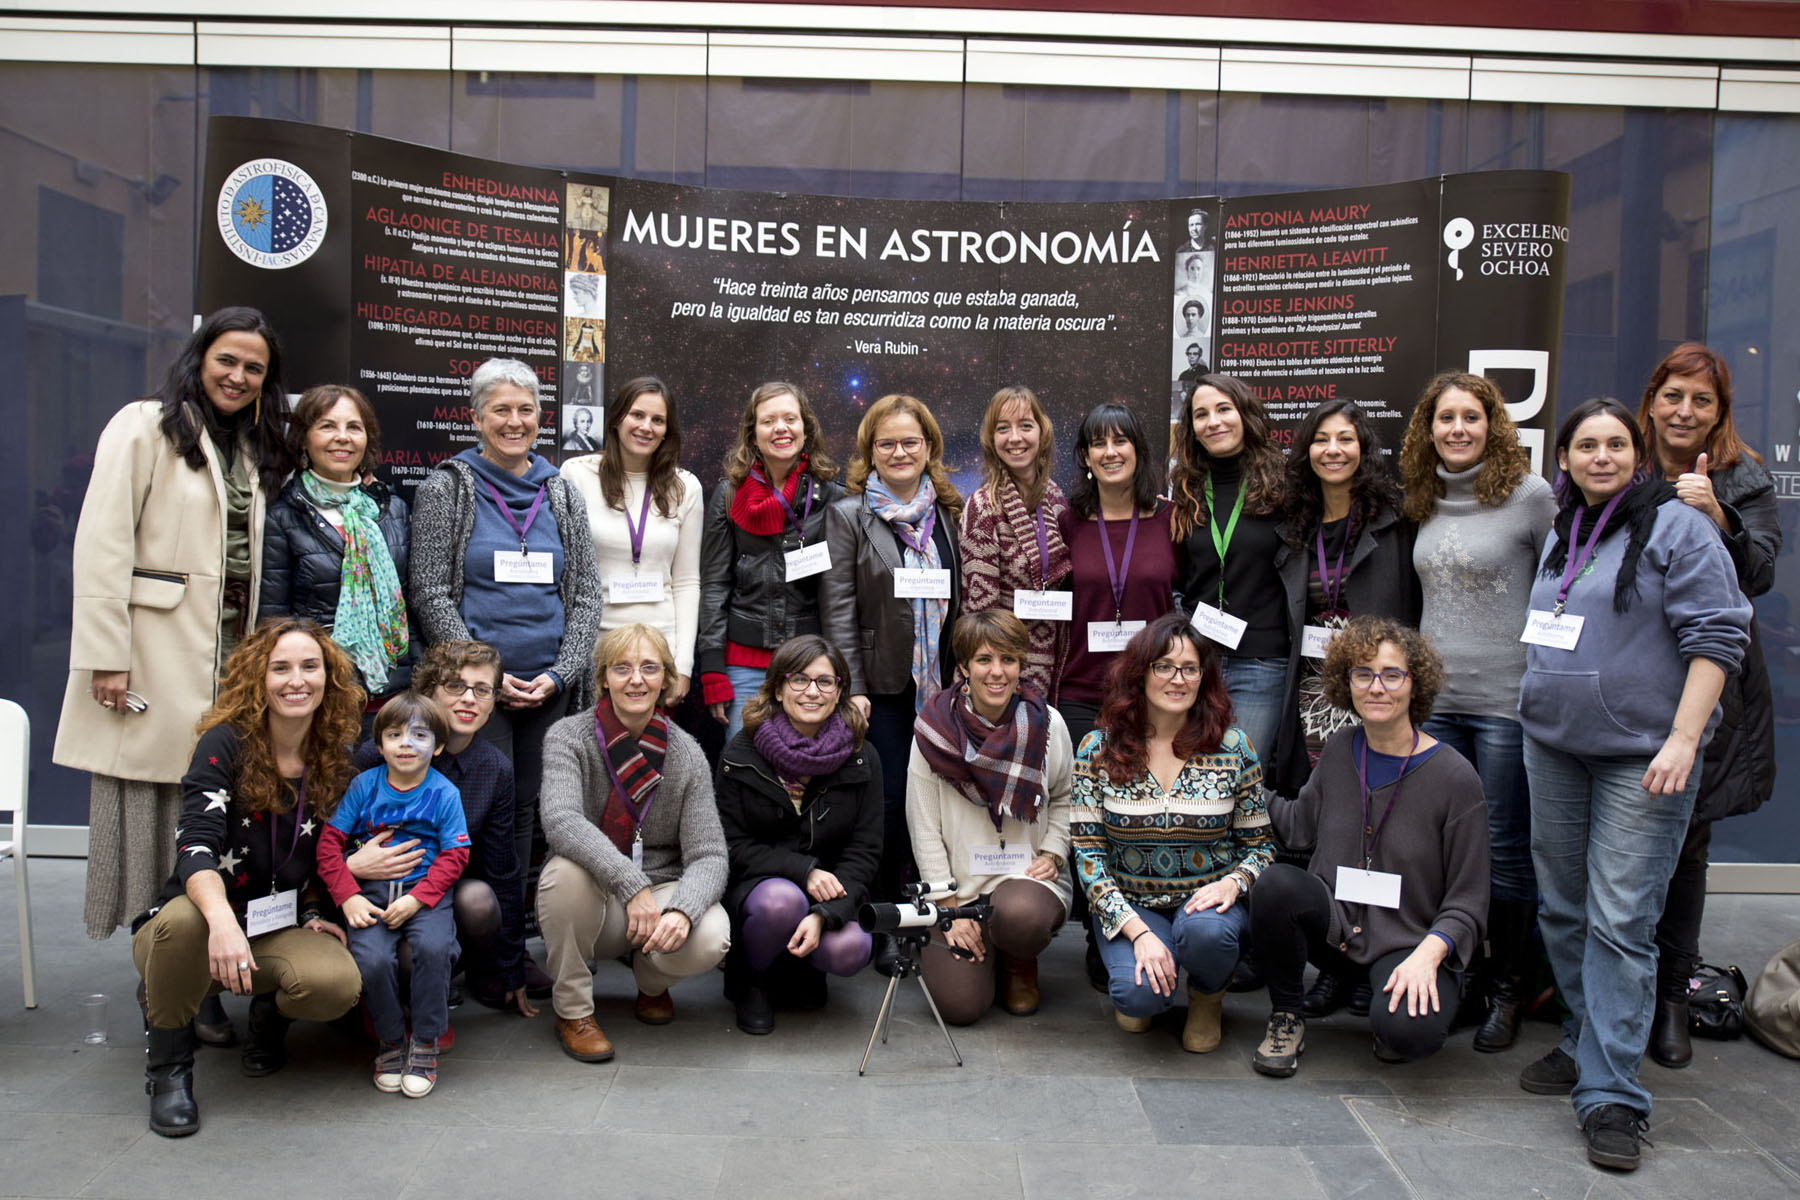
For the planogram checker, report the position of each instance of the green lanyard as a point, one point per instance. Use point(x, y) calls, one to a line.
point(1222, 541)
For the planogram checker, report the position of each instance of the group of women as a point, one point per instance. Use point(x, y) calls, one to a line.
point(1140, 692)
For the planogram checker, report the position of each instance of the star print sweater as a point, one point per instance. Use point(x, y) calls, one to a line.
point(431, 811)
point(1475, 564)
point(256, 853)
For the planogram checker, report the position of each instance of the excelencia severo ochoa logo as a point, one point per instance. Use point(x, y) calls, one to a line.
point(271, 214)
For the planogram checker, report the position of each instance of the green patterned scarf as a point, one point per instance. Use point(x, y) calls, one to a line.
point(371, 612)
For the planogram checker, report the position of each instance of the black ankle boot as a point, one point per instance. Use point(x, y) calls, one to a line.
point(1510, 923)
point(169, 1082)
point(755, 1011)
point(1328, 993)
point(1669, 1044)
point(265, 1051)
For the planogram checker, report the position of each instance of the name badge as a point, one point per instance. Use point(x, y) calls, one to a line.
point(637, 853)
point(1107, 636)
point(922, 583)
point(1547, 629)
point(1044, 606)
point(1378, 888)
point(634, 589)
point(999, 860)
point(515, 566)
point(808, 560)
point(1218, 625)
point(269, 913)
point(1314, 639)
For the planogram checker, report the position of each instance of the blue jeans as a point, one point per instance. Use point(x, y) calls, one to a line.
point(1494, 746)
point(1604, 849)
point(745, 683)
point(1256, 686)
point(1205, 943)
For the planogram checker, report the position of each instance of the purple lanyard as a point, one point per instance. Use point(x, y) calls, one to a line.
point(1334, 595)
point(637, 533)
point(1587, 551)
point(1043, 540)
point(299, 815)
point(506, 512)
point(636, 814)
point(1372, 833)
point(786, 508)
point(1116, 574)
point(920, 546)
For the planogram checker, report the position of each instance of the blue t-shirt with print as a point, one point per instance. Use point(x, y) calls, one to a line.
point(431, 812)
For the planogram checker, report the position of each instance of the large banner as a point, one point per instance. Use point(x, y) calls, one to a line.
point(398, 269)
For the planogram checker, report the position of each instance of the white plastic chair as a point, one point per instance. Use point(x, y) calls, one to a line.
point(15, 786)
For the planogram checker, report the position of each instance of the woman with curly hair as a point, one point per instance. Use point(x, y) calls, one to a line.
point(1346, 551)
point(1011, 540)
point(1227, 486)
point(1170, 830)
point(1395, 888)
point(1482, 517)
point(245, 909)
point(892, 593)
point(762, 550)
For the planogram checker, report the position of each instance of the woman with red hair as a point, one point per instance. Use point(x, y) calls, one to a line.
point(1686, 418)
point(1170, 829)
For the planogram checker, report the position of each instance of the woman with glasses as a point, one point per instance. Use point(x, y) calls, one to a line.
point(987, 803)
point(892, 593)
point(1170, 830)
point(1394, 827)
point(800, 800)
point(638, 859)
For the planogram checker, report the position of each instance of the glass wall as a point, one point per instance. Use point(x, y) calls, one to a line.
point(1678, 220)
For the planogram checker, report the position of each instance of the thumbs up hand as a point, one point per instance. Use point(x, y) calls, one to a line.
point(1694, 488)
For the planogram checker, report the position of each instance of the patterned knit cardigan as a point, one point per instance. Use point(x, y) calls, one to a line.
point(999, 555)
point(443, 518)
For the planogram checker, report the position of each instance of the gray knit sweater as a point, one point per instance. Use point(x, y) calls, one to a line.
point(443, 517)
point(683, 840)
point(1475, 564)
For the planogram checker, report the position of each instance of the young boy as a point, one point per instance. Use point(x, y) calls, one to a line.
point(411, 800)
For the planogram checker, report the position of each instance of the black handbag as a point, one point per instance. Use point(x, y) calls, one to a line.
point(1716, 1002)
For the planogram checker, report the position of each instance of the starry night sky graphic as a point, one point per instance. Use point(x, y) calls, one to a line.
point(271, 214)
point(293, 216)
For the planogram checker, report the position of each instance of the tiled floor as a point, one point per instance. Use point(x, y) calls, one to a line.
point(1058, 1104)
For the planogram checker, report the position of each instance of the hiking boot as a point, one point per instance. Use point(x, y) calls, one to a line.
point(1279, 1053)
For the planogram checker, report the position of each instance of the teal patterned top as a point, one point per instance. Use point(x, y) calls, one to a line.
point(1134, 844)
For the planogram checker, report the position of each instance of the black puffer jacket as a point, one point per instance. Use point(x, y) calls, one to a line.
point(303, 563)
point(1738, 769)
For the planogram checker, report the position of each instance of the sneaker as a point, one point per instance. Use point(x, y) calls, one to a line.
point(1613, 1133)
point(421, 1068)
point(1279, 1054)
point(1555, 1074)
point(390, 1065)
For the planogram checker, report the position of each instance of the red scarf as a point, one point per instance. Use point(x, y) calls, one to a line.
point(754, 506)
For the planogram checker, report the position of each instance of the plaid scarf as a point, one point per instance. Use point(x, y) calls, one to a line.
point(753, 505)
point(999, 765)
point(1024, 530)
point(638, 763)
point(928, 615)
point(371, 610)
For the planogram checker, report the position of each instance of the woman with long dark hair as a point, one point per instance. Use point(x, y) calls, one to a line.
point(1227, 486)
point(1482, 519)
point(244, 909)
point(1636, 620)
point(168, 556)
point(1686, 416)
point(644, 514)
point(1170, 830)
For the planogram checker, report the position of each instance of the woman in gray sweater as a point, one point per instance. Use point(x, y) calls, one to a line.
point(1482, 519)
point(1395, 889)
point(638, 860)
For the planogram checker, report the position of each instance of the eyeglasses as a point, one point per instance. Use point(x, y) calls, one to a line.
point(827, 684)
point(622, 671)
point(1363, 678)
point(1164, 669)
point(458, 688)
point(886, 446)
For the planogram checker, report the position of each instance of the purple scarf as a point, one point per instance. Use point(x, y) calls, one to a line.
point(796, 756)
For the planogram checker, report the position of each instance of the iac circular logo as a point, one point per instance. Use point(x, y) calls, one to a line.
point(271, 214)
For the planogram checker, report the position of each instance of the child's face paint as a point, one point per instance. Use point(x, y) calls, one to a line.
point(408, 747)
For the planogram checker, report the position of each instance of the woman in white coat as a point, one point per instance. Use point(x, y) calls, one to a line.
point(167, 558)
